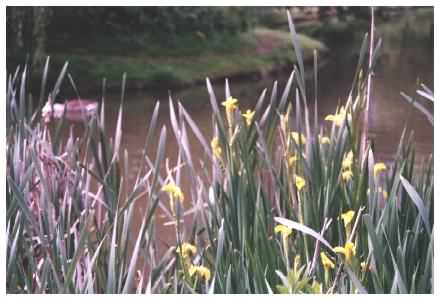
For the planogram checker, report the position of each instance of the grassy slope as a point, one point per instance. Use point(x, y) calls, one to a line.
point(258, 51)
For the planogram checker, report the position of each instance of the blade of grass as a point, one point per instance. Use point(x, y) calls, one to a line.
point(360, 288)
point(304, 229)
point(418, 202)
point(296, 45)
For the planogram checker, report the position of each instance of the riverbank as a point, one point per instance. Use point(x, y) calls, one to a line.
point(256, 52)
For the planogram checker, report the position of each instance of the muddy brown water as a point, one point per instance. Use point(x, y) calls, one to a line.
point(407, 56)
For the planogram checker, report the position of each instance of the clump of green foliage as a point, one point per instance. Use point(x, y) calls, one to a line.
point(278, 203)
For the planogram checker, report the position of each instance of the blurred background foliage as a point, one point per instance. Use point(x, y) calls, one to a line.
point(134, 37)
point(28, 27)
point(78, 33)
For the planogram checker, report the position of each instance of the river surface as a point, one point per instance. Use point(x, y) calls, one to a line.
point(407, 56)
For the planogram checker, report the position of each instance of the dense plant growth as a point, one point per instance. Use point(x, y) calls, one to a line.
point(279, 203)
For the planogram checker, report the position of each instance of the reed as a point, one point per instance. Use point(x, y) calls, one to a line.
point(278, 203)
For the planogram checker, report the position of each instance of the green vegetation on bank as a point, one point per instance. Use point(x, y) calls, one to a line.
point(191, 59)
point(174, 46)
point(156, 46)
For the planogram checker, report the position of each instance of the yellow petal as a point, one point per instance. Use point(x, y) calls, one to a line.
point(338, 118)
point(186, 249)
point(216, 148)
point(379, 167)
point(324, 140)
point(326, 261)
point(347, 175)
point(248, 116)
point(173, 191)
point(230, 104)
point(348, 251)
point(169, 188)
point(215, 142)
point(201, 271)
point(347, 217)
point(364, 267)
point(192, 270)
point(298, 138)
point(284, 230)
point(292, 159)
point(299, 182)
point(339, 249)
point(205, 273)
point(347, 162)
point(330, 118)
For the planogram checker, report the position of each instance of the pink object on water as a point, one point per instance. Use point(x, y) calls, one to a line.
point(75, 109)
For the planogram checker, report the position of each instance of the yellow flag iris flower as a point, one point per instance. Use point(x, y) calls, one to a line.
point(299, 182)
point(348, 251)
point(347, 175)
point(201, 271)
point(347, 217)
point(327, 262)
point(186, 249)
point(173, 191)
point(249, 116)
point(379, 167)
point(284, 230)
point(292, 160)
point(230, 104)
point(216, 148)
point(347, 162)
point(324, 140)
point(338, 118)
